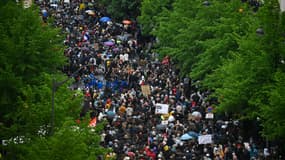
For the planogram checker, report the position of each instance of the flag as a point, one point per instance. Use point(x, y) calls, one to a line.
point(93, 122)
point(86, 36)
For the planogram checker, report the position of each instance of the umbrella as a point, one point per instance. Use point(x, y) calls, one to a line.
point(90, 4)
point(45, 13)
point(127, 35)
point(80, 17)
point(109, 43)
point(127, 22)
point(196, 114)
point(193, 134)
point(124, 37)
point(116, 49)
point(111, 114)
point(105, 19)
point(259, 31)
point(186, 137)
point(206, 3)
point(161, 127)
point(85, 49)
point(90, 12)
point(54, 5)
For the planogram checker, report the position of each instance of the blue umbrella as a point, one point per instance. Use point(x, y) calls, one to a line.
point(186, 137)
point(111, 114)
point(105, 19)
point(45, 13)
point(193, 134)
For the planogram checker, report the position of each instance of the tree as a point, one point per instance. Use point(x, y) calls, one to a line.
point(197, 35)
point(70, 142)
point(273, 112)
point(251, 78)
point(121, 9)
point(31, 54)
point(26, 49)
point(217, 45)
point(150, 11)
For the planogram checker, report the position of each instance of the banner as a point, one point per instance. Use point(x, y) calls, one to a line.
point(145, 90)
point(205, 139)
point(164, 122)
point(209, 116)
point(161, 108)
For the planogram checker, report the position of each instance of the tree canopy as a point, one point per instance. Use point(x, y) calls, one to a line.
point(121, 9)
point(31, 55)
point(229, 47)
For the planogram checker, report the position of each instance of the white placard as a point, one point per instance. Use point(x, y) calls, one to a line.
point(164, 122)
point(161, 108)
point(205, 139)
point(209, 116)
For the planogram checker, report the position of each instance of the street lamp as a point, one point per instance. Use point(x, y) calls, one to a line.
point(55, 86)
point(206, 3)
point(259, 31)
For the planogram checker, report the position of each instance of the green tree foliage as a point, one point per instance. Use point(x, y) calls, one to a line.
point(273, 112)
point(217, 44)
point(199, 35)
point(29, 52)
point(252, 76)
point(121, 9)
point(150, 11)
point(31, 55)
point(69, 142)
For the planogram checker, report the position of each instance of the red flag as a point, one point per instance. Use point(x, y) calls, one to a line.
point(93, 122)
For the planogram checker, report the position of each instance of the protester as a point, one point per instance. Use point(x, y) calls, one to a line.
point(114, 69)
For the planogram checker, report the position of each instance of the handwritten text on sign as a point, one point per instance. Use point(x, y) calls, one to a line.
point(161, 108)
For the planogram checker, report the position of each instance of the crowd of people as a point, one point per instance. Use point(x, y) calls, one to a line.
point(114, 64)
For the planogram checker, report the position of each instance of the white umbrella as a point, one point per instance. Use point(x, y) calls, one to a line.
point(90, 12)
point(197, 114)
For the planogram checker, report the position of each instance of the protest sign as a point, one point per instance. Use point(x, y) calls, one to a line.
point(209, 116)
point(145, 90)
point(164, 122)
point(205, 139)
point(161, 108)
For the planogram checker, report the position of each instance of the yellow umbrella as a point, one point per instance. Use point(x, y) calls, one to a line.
point(81, 6)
